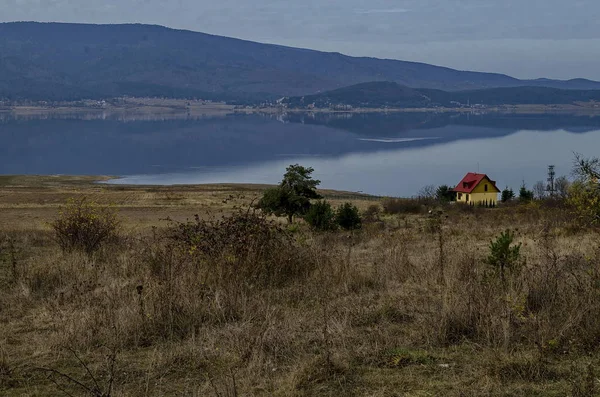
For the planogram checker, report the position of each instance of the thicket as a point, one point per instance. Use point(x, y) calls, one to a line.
point(242, 248)
point(83, 225)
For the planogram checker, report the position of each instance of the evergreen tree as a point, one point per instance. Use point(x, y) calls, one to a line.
point(444, 193)
point(321, 216)
point(525, 194)
point(348, 217)
point(292, 196)
point(507, 195)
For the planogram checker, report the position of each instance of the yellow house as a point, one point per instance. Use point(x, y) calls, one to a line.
point(477, 189)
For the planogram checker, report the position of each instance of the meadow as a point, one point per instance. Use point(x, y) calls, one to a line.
point(232, 303)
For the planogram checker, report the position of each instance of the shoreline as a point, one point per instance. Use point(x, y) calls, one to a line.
point(25, 181)
point(180, 109)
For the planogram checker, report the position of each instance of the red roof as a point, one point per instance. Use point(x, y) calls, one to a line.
point(470, 182)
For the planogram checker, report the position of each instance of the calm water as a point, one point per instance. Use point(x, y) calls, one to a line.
point(394, 154)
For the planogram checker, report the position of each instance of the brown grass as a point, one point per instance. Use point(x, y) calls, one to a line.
point(399, 308)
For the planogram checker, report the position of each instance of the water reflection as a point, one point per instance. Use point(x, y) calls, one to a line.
point(510, 160)
point(387, 154)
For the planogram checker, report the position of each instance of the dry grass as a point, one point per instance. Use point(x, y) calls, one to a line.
point(388, 311)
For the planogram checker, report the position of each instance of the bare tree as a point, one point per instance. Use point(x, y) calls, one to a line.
point(562, 185)
point(586, 168)
point(427, 192)
point(539, 190)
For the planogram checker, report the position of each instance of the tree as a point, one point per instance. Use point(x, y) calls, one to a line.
point(427, 192)
point(348, 217)
point(587, 169)
point(562, 186)
point(298, 179)
point(539, 190)
point(507, 195)
point(503, 254)
point(524, 194)
point(444, 193)
point(584, 193)
point(292, 196)
point(321, 216)
point(584, 197)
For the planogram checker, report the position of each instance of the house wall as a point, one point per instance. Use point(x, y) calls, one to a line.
point(479, 195)
point(490, 197)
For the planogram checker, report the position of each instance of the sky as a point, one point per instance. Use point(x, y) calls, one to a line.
point(522, 38)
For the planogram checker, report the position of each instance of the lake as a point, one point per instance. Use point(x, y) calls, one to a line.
point(393, 154)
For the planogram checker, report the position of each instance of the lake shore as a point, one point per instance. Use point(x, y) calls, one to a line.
point(150, 108)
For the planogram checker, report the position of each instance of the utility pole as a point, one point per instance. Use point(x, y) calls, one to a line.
point(551, 179)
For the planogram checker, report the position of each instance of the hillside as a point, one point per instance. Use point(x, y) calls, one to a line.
point(394, 95)
point(55, 61)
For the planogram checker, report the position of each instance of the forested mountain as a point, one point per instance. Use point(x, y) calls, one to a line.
point(56, 61)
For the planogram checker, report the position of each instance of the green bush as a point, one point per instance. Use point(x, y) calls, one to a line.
point(320, 216)
point(85, 226)
point(348, 217)
point(503, 255)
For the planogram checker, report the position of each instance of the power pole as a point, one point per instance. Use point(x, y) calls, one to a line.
point(551, 176)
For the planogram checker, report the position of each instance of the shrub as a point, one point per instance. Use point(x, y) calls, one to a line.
point(584, 197)
point(321, 216)
point(243, 247)
point(371, 214)
point(85, 226)
point(401, 206)
point(348, 217)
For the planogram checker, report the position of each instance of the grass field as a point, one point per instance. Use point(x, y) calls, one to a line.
point(407, 306)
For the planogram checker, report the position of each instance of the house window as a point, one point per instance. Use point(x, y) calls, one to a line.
point(485, 188)
point(467, 197)
point(460, 196)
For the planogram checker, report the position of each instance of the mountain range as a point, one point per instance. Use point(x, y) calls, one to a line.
point(58, 61)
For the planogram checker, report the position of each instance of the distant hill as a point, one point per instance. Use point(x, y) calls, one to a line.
point(390, 94)
point(55, 61)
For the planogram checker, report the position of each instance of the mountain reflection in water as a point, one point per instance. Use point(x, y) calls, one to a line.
point(387, 154)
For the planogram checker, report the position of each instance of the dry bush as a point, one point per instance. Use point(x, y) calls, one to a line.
point(371, 214)
point(401, 206)
point(245, 247)
point(85, 226)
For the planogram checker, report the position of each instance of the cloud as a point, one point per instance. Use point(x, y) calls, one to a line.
point(383, 11)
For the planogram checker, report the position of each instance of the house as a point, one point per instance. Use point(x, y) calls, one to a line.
point(477, 189)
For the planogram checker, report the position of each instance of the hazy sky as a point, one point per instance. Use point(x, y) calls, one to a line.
point(523, 38)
